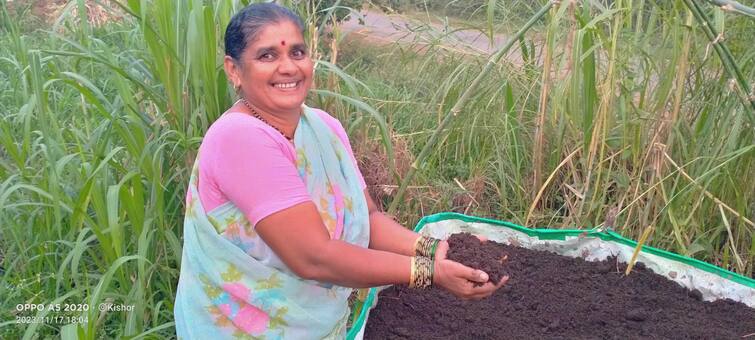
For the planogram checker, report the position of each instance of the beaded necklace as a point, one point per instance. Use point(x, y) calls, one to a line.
point(258, 116)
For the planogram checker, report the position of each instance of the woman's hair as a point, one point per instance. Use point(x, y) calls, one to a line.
point(247, 24)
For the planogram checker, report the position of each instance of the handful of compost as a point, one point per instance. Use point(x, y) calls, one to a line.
point(488, 256)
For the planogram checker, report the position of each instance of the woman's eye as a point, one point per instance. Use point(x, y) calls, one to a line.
point(266, 57)
point(298, 54)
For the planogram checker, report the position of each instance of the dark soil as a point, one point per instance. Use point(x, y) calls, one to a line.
point(486, 256)
point(549, 296)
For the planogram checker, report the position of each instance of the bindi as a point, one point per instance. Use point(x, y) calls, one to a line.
point(283, 43)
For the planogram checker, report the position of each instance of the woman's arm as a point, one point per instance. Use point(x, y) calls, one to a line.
point(386, 234)
point(298, 236)
point(300, 239)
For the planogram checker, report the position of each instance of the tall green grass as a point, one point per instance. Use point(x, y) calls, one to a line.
point(626, 107)
point(100, 126)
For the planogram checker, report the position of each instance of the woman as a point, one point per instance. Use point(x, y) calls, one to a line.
point(279, 227)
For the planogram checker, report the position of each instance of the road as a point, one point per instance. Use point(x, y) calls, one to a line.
point(379, 27)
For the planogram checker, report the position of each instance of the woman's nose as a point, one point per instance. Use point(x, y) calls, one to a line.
point(287, 66)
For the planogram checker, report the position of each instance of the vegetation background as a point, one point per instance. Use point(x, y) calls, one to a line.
point(635, 115)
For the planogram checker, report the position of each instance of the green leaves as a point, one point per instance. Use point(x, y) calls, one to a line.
point(99, 126)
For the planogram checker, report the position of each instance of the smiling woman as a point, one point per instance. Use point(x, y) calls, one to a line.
point(279, 228)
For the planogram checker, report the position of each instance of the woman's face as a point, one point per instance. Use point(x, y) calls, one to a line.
point(275, 70)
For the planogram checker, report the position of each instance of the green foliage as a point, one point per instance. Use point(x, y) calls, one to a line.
point(100, 125)
point(620, 129)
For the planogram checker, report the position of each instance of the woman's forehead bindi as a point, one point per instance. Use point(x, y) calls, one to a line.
point(283, 43)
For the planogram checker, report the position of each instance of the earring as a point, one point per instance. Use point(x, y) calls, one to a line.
point(237, 87)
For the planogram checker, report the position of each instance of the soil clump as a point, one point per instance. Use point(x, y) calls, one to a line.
point(468, 250)
point(549, 296)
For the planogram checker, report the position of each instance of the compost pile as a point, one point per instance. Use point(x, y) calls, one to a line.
point(555, 297)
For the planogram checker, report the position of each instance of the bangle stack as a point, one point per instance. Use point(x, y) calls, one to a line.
point(422, 272)
point(426, 246)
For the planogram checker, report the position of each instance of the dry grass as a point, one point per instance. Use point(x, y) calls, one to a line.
point(372, 160)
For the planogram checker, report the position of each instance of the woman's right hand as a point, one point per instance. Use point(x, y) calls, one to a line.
point(459, 279)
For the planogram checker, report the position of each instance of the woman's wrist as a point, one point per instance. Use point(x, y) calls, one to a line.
point(422, 270)
point(426, 246)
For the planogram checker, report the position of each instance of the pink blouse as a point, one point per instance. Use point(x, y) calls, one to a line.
point(247, 162)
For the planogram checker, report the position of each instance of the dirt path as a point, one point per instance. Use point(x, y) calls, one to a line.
point(379, 27)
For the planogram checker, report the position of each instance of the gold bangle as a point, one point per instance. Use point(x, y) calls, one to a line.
point(425, 246)
point(417, 244)
point(413, 273)
point(422, 272)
